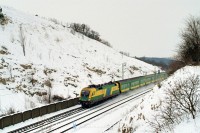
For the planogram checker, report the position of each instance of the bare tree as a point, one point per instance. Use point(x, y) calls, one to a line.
point(189, 48)
point(185, 96)
point(125, 53)
point(87, 31)
point(1, 14)
point(22, 39)
point(182, 101)
point(175, 65)
point(49, 82)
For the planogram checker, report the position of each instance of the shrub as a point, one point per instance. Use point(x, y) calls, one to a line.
point(175, 65)
point(48, 83)
point(11, 110)
point(182, 101)
point(26, 66)
point(189, 48)
point(87, 31)
point(58, 98)
point(1, 16)
point(3, 19)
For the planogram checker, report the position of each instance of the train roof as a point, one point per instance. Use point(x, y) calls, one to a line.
point(100, 85)
point(124, 80)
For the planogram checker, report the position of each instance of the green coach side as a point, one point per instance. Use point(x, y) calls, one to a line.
point(150, 78)
point(163, 75)
point(129, 84)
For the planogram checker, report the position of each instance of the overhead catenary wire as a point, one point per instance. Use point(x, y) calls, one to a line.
point(7, 94)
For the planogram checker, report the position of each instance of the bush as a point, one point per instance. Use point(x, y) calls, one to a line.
point(1, 15)
point(189, 48)
point(87, 31)
point(182, 101)
point(58, 98)
point(3, 19)
point(125, 53)
point(184, 95)
point(10, 110)
point(175, 65)
point(48, 83)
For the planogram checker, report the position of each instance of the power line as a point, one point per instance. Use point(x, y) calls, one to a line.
point(7, 94)
point(3, 89)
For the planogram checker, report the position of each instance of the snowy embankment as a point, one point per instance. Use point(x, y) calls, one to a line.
point(41, 57)
point(154, 114)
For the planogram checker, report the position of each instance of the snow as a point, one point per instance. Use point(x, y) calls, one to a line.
point(71, 62)
point(31, 121)
point(136, 113)
point(139, 118)
point(102, 123)
point(52, 53)
point(188, 126)
point(99, 124)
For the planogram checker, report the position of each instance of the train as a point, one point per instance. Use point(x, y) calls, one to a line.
point(94, 94)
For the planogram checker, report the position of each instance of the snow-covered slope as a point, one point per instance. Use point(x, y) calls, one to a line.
point(147, 115)
point(38, 55)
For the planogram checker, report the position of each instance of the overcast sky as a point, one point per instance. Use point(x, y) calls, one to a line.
point(139, 27)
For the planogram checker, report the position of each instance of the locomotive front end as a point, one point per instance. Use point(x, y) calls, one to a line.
point(85, 97)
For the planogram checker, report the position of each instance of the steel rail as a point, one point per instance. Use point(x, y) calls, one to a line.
point(41, 123)
point(109, 109)
point(62, 117)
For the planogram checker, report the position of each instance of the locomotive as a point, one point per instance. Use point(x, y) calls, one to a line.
point(97, 93)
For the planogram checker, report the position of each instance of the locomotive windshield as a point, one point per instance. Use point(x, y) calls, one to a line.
point(85, 93)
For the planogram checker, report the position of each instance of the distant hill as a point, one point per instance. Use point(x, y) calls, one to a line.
point(162, 62)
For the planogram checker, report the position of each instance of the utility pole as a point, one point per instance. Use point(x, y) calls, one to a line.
point(123, 65)
point(0, 102)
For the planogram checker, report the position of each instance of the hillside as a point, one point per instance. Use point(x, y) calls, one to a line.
point(41, 58)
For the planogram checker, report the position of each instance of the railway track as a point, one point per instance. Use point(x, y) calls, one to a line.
point(98, 112)
point(73, 118)
point(39, 124)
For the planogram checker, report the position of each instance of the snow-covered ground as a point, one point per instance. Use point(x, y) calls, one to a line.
point(99, 124)
point(138, 113)
point(103, 122)
point(138, 120)
point(39, 56)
